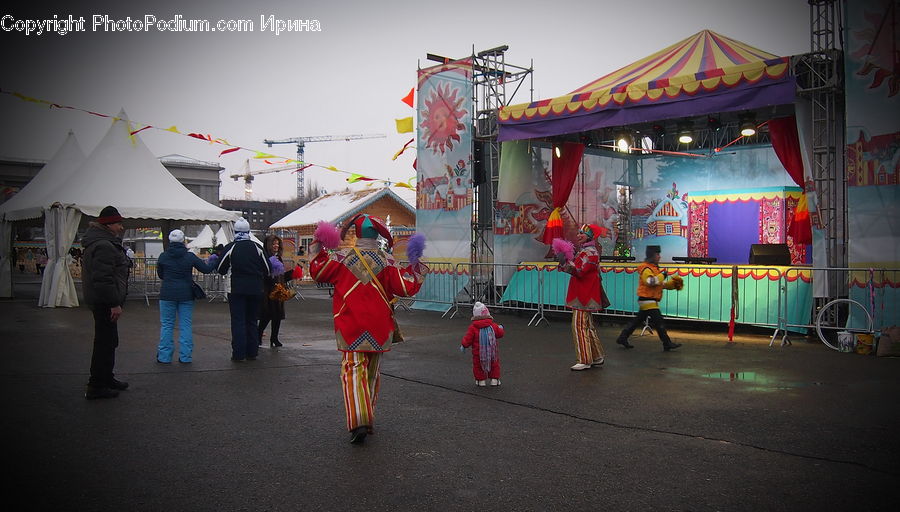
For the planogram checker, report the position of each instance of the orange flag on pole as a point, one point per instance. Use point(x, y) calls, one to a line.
point(408, 99)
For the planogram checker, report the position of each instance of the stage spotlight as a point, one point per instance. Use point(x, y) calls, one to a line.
point(624, 141)
point(748, 126)
point(685, 133)
point(558, 151)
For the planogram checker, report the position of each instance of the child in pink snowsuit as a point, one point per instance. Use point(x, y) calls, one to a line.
point(482, 336)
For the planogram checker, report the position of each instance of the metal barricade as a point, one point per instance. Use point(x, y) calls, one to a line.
point(485, 286)
point(440, 289)
point(142, 278)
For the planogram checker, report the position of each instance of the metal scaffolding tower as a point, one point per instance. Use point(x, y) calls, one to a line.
point(820, 80)
point(495, 83)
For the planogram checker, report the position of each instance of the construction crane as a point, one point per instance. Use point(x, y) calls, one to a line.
point(247, 175)
point(301, 143)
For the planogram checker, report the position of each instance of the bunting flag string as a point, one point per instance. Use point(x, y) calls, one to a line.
point(404, 148)
point(208, 138)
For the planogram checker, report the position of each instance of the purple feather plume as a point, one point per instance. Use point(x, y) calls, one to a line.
point(415, 248)
point(328, 235)
point(563, 247)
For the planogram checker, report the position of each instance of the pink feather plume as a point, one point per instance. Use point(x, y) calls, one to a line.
point(328, 235)
point(563, 247)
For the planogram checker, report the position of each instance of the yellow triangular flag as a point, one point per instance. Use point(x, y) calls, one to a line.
point(404, 125)
point(173, 129)
point(260, 154)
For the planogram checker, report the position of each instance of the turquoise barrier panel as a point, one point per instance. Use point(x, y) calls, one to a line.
point(439, 291)
point(704, 297)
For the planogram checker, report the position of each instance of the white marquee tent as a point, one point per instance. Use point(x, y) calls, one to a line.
point(204, 240)
point(26, 205)
point(122, 172)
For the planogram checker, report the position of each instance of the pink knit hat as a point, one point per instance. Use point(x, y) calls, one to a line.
point(480, 309)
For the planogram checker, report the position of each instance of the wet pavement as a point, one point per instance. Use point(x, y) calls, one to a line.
point(711, 426)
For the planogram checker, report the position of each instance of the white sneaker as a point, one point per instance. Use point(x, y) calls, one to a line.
point(495, 382)
point(580, 366)
point(597, 362)
point(481, 383)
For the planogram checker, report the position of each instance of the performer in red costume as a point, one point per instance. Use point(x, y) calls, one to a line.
point(584, 296)
point(366, 280)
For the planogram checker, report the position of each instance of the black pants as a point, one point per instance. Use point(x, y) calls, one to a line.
point(263, 322)
point(106, 339)
point(244, 320)
point(656, 322)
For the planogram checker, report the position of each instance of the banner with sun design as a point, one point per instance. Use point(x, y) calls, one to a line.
point(444, 160)
point(872, 79)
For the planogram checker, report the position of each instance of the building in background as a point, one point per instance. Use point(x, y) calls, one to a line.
point(393, 205)
point(260, 214)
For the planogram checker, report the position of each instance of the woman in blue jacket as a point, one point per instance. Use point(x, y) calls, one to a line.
point(174, 268)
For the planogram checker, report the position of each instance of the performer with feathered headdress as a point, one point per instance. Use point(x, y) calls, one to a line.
point(366, 281)
point(585, 293)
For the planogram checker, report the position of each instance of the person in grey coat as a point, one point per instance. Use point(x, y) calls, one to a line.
point(175, 268)
point(105, 284)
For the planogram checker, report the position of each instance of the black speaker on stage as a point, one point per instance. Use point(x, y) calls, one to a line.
point(479, 173)
point(770, 254)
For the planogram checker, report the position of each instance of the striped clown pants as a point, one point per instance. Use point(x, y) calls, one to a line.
point(360, 380)
point(587, 342)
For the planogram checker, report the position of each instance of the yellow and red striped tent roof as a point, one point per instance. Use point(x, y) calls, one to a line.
point(704, 65)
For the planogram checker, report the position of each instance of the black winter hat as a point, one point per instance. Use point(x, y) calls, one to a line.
point(109, 215)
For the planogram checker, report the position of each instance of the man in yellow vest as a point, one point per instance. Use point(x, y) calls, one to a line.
point(651, 282)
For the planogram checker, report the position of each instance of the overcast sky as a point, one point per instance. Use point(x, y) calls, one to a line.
point(347, 78)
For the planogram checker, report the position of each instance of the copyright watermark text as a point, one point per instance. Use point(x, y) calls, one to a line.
point(150, 22)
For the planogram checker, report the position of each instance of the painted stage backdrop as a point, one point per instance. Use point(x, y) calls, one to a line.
point(444, 161)
point(872, 78)
point(705, 206)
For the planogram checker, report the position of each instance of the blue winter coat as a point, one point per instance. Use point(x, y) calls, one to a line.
point(174, 268)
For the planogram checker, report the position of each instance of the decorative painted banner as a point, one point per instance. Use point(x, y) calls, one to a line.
point(872, 35)
point(444, 160)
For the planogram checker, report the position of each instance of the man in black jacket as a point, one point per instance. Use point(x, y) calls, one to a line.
point(105, 285)
point(244, 266)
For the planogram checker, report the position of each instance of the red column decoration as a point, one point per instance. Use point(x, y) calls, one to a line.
point(786, 143)
point(565, 164)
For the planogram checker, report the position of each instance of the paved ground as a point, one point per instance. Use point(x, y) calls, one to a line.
point(712, 426)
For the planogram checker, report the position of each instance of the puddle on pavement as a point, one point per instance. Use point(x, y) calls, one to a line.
point(757, 381)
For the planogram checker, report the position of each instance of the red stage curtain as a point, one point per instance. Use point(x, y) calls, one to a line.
point(565, 170)
point(786, 143)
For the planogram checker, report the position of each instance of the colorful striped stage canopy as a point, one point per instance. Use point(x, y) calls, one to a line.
point(704, 74)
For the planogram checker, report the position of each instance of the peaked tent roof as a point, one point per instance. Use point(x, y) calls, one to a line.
point(337, 207)
point(222, 237)
point(122, 172)
point(28, 202)
point(703, 74)
point(203, 240)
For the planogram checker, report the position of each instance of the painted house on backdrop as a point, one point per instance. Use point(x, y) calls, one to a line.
point(668, 218)
point(394, 205)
